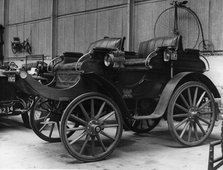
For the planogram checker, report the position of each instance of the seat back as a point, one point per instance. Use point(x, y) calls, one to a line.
point(117, 43)
point(146, 47)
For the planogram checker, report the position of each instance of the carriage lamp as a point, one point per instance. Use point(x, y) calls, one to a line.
point(170, 54)
point(23, 74)
point(115, 59)
point(108, 61)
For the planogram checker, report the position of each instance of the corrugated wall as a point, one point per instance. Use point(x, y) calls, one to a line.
point(79, 22)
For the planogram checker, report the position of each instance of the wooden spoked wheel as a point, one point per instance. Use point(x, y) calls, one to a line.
point(97, 127)
point(45, 119)
point(191, 113)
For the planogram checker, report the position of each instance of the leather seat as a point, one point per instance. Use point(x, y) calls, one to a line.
point(65, 73)
point(116, 43)
point(146, 47)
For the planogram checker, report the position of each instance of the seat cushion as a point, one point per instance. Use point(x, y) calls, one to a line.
point(146, 47)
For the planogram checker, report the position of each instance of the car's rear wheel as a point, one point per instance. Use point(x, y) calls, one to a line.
point(191, 113)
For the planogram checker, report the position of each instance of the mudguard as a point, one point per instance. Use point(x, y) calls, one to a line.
point(169, 90)
point(32, 87)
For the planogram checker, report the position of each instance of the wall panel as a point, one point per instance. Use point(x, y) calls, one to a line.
point(12, 11)
point(20, 6)
point(68, 34)
point(12, 32)
point(79, 34)
point(202, 11)
point(216, 23)
point(28, 10)
point(35, 9)
point(146, 14)
point(90, 29)
point(60, 36)
point(102, 24)
point(2, 12)
point(80, 22)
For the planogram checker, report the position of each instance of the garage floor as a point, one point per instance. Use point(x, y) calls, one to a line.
point(20, 148)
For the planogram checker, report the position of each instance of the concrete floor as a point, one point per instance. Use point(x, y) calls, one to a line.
point(20, 148)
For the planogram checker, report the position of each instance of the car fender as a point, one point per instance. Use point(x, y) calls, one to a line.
point(171, 86)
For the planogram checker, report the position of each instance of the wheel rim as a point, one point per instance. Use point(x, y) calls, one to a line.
point(98, 127)
point(191, 114)
point(45, 120)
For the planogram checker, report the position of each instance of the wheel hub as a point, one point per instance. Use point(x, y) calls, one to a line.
point(93, 127)
point(193, 112)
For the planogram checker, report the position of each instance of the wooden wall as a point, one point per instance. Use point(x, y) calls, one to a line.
point(2, 12)
point(79, 22)
point(29, 19)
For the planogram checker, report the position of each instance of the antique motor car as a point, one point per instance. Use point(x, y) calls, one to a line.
point(12, 100)
point(92, 97)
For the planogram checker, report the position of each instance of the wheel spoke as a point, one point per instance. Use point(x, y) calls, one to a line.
point(203, 120)
point(182, 122)
point(102, 144)
point(204, 105)
point(100, 110)
point(40, 119)
point(75, 118)
point(189, 96)
point(206, 113)
point(51, 130)
point(141, 123)
point(148, 122)
point(181, 107)
point(189, 133)
point(93, 145)
point(84, 112)
point(109, 125)
point(107, 135)
point(77, 138)
point(85, 143)
point(195, 131)
point(200, 126)
point(41, 129)
point(58, 126)
point(200, 99)
point(180, 115)
point(107, 116)
point(92, 108)
point(77, 128)
point(195, 96)
point(184, 129)
point(184, 100)
point(133, 123)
